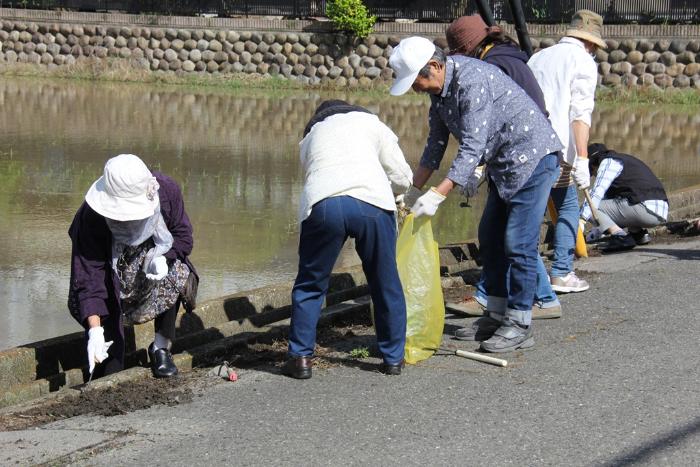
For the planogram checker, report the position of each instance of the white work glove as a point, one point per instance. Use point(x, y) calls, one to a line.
point(96, 346)
point(427, 204)
point(408, 199)
point(472, 185)
point(582, 176)
point(158, 269)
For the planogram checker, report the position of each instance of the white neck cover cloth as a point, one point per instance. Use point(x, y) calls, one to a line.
point(134, 233)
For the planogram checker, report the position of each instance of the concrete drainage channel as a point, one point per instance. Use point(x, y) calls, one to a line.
point(54, 368)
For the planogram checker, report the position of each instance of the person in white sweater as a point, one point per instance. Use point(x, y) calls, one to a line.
point(353, 170)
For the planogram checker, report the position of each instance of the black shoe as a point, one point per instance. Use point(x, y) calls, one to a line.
point(392, 369)
point(642, 237)
point(162, 362)
point(618, 243)
point(298, 367)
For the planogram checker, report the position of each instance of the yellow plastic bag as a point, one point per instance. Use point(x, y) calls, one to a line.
point(418, 261)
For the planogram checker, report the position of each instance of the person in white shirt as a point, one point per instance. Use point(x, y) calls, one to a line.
point(567, 75)
point(353, 170)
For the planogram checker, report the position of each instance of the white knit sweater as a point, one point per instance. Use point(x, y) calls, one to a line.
point(352, 154)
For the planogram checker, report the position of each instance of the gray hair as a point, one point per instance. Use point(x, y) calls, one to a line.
point(439, 56)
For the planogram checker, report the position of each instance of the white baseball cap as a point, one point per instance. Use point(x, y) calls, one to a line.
point(407, 59)
point(127, 191)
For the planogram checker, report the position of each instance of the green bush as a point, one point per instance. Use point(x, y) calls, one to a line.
point(351, 16)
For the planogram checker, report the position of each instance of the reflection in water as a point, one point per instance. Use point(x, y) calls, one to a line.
point(236, 159)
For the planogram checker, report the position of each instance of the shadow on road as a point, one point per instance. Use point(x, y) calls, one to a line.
point(644, 452)
point(678, 254)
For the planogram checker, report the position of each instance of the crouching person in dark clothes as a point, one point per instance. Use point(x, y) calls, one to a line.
point(353, 167)
point(628, 196)
point(131, 241)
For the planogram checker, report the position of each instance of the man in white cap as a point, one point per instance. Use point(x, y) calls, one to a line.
point(567, 75)
point(496, 124)
point(130, 260)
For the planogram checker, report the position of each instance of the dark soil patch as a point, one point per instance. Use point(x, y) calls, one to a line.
point(117, 400)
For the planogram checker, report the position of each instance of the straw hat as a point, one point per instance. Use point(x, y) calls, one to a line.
point(126, 192)
point(587, 25)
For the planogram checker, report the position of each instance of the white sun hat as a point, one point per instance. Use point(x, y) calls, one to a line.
point(407, 59)
point(126, 192)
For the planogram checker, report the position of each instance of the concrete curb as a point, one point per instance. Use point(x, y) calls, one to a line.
point(37, 369)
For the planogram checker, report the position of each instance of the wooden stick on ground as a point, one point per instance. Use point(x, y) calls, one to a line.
point(478, 357)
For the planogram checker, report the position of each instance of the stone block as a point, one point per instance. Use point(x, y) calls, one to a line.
point(170, 54)
point(621, 68)
point(190, 44)
point(184, 35)
point(681, 81)
point(656, 68)
point(635, 57)
point(677, 46)
point(639, 69)
point(668, 58)
point(651, 56)
point(611, 79)
point(628, 45)
point(662, 45)
point(177, 45)
point(686, 57)
point(692, 69)
point(215, 46)
point(209, 35)
point(616, 56)
point(195, 55)
point(675, 70)
point(208, 56)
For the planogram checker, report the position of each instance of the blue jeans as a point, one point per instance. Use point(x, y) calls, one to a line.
point(544, 295)
point(566, 202)
point(323, 234)
point(509, 233)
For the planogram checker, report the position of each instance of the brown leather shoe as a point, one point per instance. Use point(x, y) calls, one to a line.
point(298, 367)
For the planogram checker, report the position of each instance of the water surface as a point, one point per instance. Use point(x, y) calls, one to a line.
point(236, 158)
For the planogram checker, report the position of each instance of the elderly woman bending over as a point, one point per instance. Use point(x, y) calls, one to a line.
point(131, 241)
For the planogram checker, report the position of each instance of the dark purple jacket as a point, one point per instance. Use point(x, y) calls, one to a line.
point(92, 277)
point(513, 62)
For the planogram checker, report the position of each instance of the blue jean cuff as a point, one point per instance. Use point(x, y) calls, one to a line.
point(496, 304)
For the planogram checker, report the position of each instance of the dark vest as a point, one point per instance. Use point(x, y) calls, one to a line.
point(636, 183)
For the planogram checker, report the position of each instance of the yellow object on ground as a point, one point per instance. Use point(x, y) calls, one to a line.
point(418, 262)
point(580, 250)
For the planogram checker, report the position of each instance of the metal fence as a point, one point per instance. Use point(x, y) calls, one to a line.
point(536, 11)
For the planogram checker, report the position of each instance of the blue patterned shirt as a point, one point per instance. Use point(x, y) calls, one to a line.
point(495, 122)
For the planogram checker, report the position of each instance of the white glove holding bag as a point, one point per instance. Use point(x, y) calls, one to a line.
point(97, 347)
point(158, 269)
point(408, 199)
point(427, 204)
point(582, 176)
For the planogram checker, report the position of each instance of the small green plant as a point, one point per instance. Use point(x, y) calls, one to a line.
point(359, 353)
point(351, 16)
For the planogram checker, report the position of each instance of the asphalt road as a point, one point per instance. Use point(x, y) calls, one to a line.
point(614, 382)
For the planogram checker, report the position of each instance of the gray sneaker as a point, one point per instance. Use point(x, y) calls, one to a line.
point(480, 330)
point(569, 283)
point(509, 337)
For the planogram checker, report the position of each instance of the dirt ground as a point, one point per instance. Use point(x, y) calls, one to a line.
point(334, 347)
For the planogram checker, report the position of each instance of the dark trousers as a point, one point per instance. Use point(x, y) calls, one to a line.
point(164, 324)
point(323, 234)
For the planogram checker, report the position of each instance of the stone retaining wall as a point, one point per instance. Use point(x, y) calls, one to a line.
point(316, 57)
